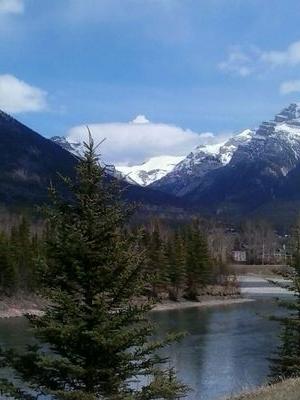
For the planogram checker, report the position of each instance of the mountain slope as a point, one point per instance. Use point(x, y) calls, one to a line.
point(150, 171)
point(263, 170)
point(205, 158)
point(142, 174)
point(256, 172)
point(29, 162)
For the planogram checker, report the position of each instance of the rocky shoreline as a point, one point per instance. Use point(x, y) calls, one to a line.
point(22, 304)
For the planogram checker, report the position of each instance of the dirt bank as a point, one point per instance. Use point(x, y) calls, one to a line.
point(208, 302)
point(19, 305)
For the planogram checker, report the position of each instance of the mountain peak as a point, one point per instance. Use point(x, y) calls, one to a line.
point(289, 113)
point(150, 171)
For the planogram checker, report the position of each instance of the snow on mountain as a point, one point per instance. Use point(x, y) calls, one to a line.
point(150, 171)
point(227, 149)
point(73, 147)
point(275, 143)
point(134, 143)
point(262, 175)
point(141, 174)
point(197, 163)
point(205, 158)
point(250, 172)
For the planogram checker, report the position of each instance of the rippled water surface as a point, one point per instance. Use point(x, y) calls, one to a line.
point(225, 350)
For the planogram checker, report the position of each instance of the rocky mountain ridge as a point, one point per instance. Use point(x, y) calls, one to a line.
point(204, 159)
point(253, 171)
point(261, 172)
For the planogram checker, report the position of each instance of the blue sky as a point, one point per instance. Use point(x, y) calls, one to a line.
point(204, 65)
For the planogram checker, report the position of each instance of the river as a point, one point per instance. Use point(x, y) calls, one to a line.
point(225, 350)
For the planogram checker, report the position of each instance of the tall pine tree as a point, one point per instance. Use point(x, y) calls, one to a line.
point(198, 264)
point(97, 332)
point(22, 254)
point(157, 262)
point(176, 266)
point(7, 268)
point(286, 364)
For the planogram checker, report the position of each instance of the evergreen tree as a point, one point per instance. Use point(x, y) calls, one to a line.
point(198, 267)
point(157, 262)
point(97, 332)
point(164, 265)
point(7, 270)
point(22, 254)
point(287, 362)
point(176, 266)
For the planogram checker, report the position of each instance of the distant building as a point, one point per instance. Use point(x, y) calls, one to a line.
point(239, 255)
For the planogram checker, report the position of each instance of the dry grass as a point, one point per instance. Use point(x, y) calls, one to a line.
point(286, 390)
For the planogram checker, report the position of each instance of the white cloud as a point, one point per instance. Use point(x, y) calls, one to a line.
point(136, 141)
point(237, 62)
point(140, 119)
point(240, 61)
point(17, 96)
point(11, 7)
point(289, 56)
point(290, 87)
point(244, 62)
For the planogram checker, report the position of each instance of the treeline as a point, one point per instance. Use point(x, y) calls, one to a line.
point(179, 262)
point(19, 253)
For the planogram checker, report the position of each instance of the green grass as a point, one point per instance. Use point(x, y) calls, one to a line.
point(286, 390)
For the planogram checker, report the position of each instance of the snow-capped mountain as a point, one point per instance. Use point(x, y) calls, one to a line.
point(261, 171)
point(174, 174)
point(274, 144)
point(142, 174)
point(73, 147)
point(276, 141)
point(252, 169)
point(30, 162)
point(205, 158)
point(150, 171)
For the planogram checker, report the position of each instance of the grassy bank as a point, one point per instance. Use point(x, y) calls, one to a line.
point(286, 390)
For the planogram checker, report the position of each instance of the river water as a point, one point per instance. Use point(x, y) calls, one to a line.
point(224, 352)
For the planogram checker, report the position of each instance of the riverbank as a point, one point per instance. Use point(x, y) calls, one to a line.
point(207, 302)
point(243, 291)
point(19, 305)
point(211, 295)
point(22, 304)
point(216, 295)
point(286, 390)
